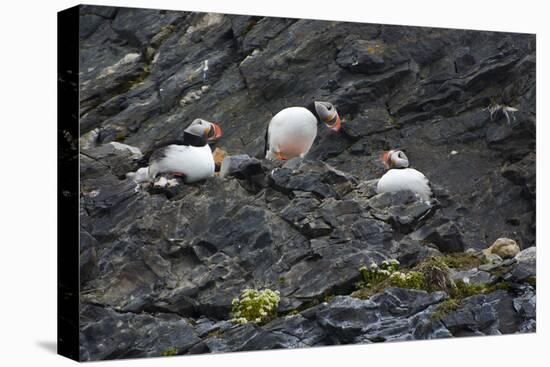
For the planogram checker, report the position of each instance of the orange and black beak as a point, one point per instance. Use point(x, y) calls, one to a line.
point(334, 123)
point(214, 133)
point(385, 158)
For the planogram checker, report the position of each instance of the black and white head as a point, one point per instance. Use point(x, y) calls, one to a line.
point(201, 132)
point(394, 159)
point(327, 113)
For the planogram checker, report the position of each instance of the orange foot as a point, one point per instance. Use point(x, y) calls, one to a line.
point(280, 156)
point(178, 174)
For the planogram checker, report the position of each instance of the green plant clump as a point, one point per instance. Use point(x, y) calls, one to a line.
point(431, 275)
point(444, 308)
point(463, 290)
point(375, 275)
point(436, 274)
point(169, 352)
point(411, 279)
point(255, 306)
point(376, 278)
point(462, 261)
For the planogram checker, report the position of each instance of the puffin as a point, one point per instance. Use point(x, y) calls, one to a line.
point(291, 132)
point(191, 159)
point(400, 177)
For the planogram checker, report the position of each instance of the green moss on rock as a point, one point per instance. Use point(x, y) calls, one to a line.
point(462, 261)
point(436, 274)
point(444, 308)
point(377, 278)
point(431, 275)
point(463, 290)
point(169, 352)
point(411, 279)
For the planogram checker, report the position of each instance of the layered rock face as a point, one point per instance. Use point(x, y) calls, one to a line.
point(160, 265)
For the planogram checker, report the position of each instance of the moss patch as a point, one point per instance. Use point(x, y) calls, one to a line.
point(411, 279)
point(379, 277)
point(169, 352)
point(436, 274)
point(376, 274)
point(375, 278)
point(365, 293)
point(432, 274)
point(462, 261)
point(126, 86)
point(463, 290)
point(120, 137)
point(329, 298)
point(444, 308)
point(163, 35)
point(214, 333)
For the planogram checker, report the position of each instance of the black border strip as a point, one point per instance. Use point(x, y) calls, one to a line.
point(67, 184)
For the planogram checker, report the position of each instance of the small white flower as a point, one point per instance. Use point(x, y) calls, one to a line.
point(241, 320)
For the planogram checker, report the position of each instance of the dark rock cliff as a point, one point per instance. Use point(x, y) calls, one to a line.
point(159, 268)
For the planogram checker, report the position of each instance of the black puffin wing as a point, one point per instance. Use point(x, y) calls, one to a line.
point(158, 154)
point(266, 146)
point(157, 151)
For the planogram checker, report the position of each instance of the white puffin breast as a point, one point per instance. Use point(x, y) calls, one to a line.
point(291, 132)
point(197, 163)
point(405, 179)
